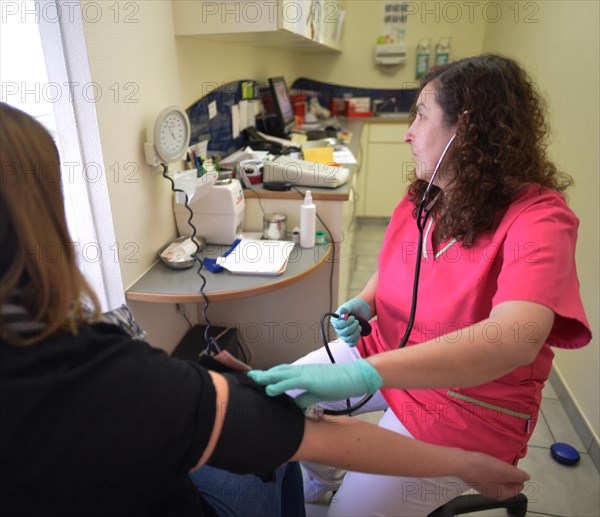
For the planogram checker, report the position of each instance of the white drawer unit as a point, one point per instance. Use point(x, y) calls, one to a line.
point(386, 168)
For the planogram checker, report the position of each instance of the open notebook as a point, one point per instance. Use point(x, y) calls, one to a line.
point(258, 257)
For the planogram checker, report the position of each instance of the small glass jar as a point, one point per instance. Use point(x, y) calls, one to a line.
point(275, 226)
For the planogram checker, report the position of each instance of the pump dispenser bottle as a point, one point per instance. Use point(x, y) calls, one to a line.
point(308, 214)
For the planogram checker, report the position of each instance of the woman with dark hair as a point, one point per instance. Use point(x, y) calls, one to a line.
point(498, 289)
point(96, 423)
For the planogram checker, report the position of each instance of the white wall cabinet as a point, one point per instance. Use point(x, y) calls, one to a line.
point(305, 25)
point(386, 168)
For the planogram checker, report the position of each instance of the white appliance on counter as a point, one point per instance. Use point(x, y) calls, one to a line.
point(218, 216)
point(305, 173)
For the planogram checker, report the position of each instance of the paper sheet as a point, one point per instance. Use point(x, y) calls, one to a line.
point(258, 257)
point(344, 155)
point(235, 121)
point(319, 155)
point(243, 111)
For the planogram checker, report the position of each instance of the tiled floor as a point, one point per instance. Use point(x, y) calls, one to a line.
point(554, 490)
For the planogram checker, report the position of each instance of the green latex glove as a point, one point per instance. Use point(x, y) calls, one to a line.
point(349, 330)
point(321, 381)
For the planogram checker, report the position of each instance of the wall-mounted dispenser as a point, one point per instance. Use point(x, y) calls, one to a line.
point(391, 54)
point(423, 52)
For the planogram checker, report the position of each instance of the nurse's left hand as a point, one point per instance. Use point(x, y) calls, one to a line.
point(321, 381)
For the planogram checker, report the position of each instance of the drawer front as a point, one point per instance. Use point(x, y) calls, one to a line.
point(388, 132)
point(389, 169)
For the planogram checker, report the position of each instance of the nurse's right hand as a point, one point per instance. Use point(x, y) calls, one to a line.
point(349, 329)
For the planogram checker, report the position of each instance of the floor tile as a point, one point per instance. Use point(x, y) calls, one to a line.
point(359, 279)
point(370, 236)
point(557, 490)
point(367, 248)
point(541, 437)
point(561, 428)
point(365, 263)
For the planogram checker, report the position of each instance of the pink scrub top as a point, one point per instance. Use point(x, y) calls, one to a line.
point(530, 256)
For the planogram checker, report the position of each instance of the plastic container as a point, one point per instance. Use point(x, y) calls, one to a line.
point(564, 454)
point(275, 226)
point(299, 103)
point(423, 52)
point(337, 106)
point(358, 107)
point(442, 51)
point(320, 238)
point(296, 235)
point(308, 217)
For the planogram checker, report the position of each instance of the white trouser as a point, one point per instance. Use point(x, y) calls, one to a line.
point(371, 494)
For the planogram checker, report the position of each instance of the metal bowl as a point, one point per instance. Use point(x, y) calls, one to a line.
point(179, 264)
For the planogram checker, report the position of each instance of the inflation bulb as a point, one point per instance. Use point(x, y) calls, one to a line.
point(365, 326)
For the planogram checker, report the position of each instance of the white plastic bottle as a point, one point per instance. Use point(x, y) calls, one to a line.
point(308, 215)
point(423, 52)
point(442, 51)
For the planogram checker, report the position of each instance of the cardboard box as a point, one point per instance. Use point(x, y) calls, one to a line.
point(358, 107)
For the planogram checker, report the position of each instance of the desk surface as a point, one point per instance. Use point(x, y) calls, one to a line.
point(164, 285)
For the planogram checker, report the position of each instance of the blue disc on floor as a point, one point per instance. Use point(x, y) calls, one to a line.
point(564, 453)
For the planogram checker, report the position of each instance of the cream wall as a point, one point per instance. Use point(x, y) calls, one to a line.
point(355, 66)
point(132, 56)
point(209, 64)
point(560, 49)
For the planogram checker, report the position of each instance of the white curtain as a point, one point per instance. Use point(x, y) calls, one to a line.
point(44, 71)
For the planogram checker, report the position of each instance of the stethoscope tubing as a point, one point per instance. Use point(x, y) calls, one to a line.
point(423, 212)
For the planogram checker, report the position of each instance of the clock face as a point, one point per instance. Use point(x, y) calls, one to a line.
point(171, 134)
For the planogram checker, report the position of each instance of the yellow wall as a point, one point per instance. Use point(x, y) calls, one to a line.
point(209, 64)
point(132, 57)
point(560, 49)
point(355, 66)
point(559, 45)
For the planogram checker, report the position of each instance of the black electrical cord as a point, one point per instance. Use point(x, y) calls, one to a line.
point(332, 251)
point(349, 407)
point(257, 197)
point(210, 342)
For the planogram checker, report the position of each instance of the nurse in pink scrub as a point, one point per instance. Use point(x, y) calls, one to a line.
point(498, 290)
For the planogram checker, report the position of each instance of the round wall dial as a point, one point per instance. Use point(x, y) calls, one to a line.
point(171, 134)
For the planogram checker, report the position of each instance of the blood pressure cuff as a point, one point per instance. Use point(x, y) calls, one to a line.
point(260, 433)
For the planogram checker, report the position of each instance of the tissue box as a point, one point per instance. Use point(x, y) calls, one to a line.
point(358, 107)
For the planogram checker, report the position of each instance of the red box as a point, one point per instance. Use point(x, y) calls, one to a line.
point(359, 114)
point(337, 106)
point(358, 107)
point(299, 103)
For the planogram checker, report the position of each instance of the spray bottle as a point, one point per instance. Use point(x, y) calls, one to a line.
point(442, 51)
point(308, 214)
point(422, 57)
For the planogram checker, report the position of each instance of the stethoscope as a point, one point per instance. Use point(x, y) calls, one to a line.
point(422, 216)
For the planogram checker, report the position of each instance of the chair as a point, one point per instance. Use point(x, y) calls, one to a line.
point(515, 506)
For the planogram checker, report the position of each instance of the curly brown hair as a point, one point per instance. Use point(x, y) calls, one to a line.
point(500, 143)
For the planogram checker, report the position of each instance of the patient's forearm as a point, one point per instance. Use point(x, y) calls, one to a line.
point(351, 444)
